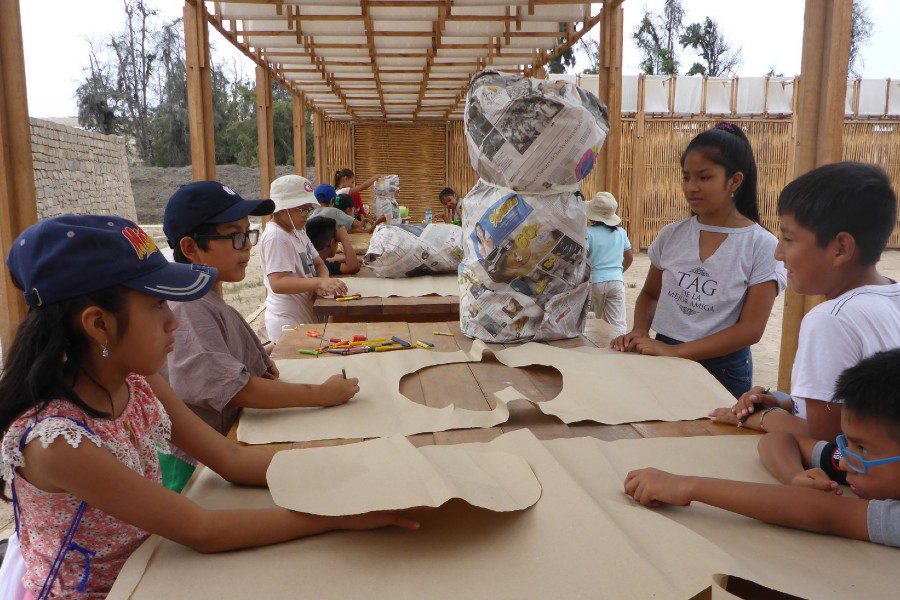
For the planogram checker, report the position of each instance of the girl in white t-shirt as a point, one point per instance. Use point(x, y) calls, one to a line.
point(713, 277)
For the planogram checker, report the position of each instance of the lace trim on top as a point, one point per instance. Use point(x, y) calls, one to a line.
point(47, 430)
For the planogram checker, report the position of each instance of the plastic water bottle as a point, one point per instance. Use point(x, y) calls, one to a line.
point(428, 215)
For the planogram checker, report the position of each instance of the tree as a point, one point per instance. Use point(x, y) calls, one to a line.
point(773, 72)
point(861, 27)
point(656, 36)
point(97, 100)
point(590, 47)
point(707, 40)
point(562, 61)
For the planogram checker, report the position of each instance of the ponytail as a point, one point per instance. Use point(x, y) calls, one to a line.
point(340, 174)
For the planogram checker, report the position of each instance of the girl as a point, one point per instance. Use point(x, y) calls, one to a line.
point(343, 184)
point(83, 414)
point(713, 276)
point(609, 253)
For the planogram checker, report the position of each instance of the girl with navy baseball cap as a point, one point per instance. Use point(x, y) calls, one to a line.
point(83, 414)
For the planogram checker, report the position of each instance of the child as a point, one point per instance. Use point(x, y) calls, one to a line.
point(325, 236)
point(713, 277)
point(835, 222)
point(218, 365)
point(292, 270)
point(871, 457)
point(344, 203)
point(452, 210)
point(609, 252)
point(326, 196)
point(83, 414)
point(343, 184)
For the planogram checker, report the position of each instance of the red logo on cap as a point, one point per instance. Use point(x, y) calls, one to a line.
point(142, 243)
point(307, 186)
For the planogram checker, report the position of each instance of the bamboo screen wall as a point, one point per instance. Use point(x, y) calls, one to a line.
point(460, 175)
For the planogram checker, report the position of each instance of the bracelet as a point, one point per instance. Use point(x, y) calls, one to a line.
point(762, 417)
point(757, 406)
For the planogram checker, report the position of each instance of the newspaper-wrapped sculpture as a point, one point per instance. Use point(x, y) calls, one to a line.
point(410, 250)
point(386, 188)
point(525, 274)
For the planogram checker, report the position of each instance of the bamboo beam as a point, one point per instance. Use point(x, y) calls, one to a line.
point(199, 92)
point(18, 204)
point(265, 130)
point(299, 134)
point(819, 132)
point(318, 148)
point(369, 28)
point(638, 175)
point(611, 26)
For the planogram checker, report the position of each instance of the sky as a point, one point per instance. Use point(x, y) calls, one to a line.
point(769, 33)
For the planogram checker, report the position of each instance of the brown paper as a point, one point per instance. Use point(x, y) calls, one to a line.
point(583, 539)
point(391, 474)
point(598, 385)
point(425, 285)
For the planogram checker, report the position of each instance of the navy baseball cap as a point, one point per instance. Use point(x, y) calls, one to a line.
point(325, 193)
point(73, 255)
point(202, 202)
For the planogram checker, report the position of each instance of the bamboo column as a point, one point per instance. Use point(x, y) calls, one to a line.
point(18, 209)
point(638, 171)
point(318, 147)
point(199, 92)
point(819, 130)
point(265, 130)
point(610, 91)
point(299, 135)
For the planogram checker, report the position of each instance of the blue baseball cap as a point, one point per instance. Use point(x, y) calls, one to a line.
point(202, 202)
point(73, 255)
point(325, 193)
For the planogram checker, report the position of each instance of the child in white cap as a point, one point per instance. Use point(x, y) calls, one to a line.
point(609, 253)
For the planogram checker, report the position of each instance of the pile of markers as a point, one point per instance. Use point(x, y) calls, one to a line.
point(360, 345)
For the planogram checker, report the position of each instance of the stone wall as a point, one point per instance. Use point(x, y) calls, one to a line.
point(80, 172)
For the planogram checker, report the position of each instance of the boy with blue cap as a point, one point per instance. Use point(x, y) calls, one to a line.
point(325, 194)
point(218, 364)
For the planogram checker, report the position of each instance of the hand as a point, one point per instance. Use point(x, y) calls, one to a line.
point(653, 488)
point(272, 372)
point(336, 390)
point(650, 347)
point(625, 343)
point(332, 287)
point(375, 520)
point(724, 416)
point(816, 479)
point(743, 408)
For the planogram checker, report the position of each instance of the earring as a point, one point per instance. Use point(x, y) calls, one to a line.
point(104, 352)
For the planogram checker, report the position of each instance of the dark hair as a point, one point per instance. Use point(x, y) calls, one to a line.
point(321, 230)
point(203, 229)
point(47, 352)
point(340, 174)
point(446, 192)
point(846, 196)
point(598, 223)
point(343, 202)
point(727, 145)
point(871, 389)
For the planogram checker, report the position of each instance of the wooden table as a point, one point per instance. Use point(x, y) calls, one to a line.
point(472, 385)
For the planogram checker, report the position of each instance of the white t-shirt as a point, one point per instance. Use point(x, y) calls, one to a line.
point(837, 334)
point(284, 252)
point(700, 298)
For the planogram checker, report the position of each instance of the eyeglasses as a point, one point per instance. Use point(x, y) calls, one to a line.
point(238, 240)
point(855, 461)
point(305, 210)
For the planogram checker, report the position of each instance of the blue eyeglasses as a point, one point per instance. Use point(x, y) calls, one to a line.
point(856, 461)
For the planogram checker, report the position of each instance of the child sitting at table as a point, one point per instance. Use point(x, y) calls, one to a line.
point(870, 448)
point(452, 210)
point(325, 195)
point(292, 270)
point(83, 414)
point(325, 235)
point(217, 364)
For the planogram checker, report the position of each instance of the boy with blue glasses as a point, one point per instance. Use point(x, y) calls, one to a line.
point(870, 449)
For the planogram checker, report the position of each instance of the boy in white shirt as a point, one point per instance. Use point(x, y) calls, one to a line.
point(292, 270)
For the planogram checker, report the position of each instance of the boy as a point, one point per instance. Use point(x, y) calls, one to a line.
point(325, 235)
point(325, 195)
point(452, 210)
point(870, 445)
point(217, 364)
point(835, 222)
point(292, 270)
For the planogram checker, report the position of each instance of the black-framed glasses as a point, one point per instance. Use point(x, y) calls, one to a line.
point(238, 240)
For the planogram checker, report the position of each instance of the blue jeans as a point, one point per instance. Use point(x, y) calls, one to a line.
point(734, 371)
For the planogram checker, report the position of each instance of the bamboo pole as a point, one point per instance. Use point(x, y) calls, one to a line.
point(199, 92)
point(610, 90)
point(318, 148)
point(820, 122)
point(299, 134)
point(638, 177)
point(18, 209)
point(265, 127)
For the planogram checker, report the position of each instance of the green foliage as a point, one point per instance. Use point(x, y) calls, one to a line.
point(707, 40)
point(655, 37)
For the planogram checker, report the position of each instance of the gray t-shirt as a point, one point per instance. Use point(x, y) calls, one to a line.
point(700, 298)
point(341, 218)
point(883, 519)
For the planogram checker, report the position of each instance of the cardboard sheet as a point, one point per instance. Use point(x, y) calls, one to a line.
point(583, 539)
point(425, 285)
point(391, 474)
point(598, 385)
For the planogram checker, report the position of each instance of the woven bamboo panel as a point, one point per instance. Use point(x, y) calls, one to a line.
point(338, 149)
point(415, 152)
point(590, 185)
point(879, 143)
point(460, 174)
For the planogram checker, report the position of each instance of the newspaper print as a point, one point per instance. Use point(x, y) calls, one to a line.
point(386, 188)
point(411, 250)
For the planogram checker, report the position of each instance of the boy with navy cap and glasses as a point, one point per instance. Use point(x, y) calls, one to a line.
point(218, 364)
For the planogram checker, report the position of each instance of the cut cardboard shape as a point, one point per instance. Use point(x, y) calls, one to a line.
point(424, 285)
point(599, 385)
point(392, 474)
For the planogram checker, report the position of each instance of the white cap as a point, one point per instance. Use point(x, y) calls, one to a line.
point(291, 191)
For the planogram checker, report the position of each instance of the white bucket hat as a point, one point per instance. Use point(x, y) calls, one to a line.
point(603, 208)
point(291, 191)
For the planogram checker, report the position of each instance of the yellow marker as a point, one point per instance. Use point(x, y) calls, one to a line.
point(442, 333)
point(389, 348)
point(366, 342)
point(346, 298)
point(422, 345)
